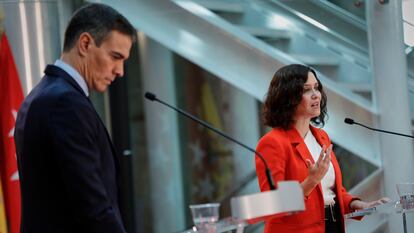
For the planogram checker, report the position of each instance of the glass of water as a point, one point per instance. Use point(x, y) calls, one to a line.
point(406, 193)
point(205, 214)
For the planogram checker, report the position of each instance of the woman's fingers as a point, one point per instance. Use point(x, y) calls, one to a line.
point(357, 204)
point(325, 154)
point(326, 160)
point(379, 201)
point(328, 153)
point(309, 163)
point(319, 169)
point(323, 163)
point(384, 200)
point(321, 155)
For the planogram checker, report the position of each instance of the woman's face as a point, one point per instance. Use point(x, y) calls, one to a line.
point(309, 106)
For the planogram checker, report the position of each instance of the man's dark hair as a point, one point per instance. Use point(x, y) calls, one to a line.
point(284, 95)
point(98, 20)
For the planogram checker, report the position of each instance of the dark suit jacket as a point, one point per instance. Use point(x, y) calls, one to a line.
point(67, 165)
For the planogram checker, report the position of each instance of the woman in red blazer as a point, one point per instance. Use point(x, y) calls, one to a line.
point(296, 150)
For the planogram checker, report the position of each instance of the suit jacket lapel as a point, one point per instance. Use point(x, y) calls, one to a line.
point(320, 138)
point(116, 158)
point(298, 142)
point(52, 70)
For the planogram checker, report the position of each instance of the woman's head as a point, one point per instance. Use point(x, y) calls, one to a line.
point(295, 91)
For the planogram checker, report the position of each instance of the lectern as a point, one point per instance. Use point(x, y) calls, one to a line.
point(392, 207)
point(250, 209)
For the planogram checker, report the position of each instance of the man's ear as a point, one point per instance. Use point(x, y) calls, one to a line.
point(85, 41)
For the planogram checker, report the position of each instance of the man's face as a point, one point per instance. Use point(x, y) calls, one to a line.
point(105, 63)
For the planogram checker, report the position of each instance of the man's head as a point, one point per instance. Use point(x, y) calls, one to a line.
point(97, 42)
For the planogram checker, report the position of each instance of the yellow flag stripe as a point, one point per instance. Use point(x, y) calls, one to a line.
point(3, 220)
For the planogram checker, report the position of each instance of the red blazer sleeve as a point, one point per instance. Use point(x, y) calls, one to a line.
point(271, 150)
point(348, 198)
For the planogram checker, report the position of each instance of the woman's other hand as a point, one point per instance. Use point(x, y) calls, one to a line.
point(358, 204)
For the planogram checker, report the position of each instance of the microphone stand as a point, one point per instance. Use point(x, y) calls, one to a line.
point(153, 97)
point(351, 122)
point(261, 206)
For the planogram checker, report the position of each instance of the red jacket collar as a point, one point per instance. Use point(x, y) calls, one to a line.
point(295, 138)
point(299, 143)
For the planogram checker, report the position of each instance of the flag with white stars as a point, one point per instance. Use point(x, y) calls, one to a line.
point(11, 96)
point(208, 154)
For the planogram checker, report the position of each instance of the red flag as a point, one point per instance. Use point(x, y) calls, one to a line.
point(11, 96)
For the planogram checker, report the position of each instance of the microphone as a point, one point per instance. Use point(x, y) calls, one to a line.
point(153, 97)
point(352, 122)
point(349, 121)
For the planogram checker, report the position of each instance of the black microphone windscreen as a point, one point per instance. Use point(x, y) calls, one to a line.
point(150, 96)
point(349, 121)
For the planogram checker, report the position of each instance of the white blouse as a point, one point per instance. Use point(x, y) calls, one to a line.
point(328, 182)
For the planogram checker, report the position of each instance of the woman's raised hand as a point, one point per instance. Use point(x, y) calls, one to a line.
point(317, 170)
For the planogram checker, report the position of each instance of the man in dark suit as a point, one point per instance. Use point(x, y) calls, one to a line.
point(67, 165)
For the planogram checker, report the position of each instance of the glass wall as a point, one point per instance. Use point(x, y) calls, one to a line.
point(207, 161)
point(168, 161)
point(211, 166)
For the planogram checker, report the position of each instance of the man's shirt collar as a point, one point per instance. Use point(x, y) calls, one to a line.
point(74, 74)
